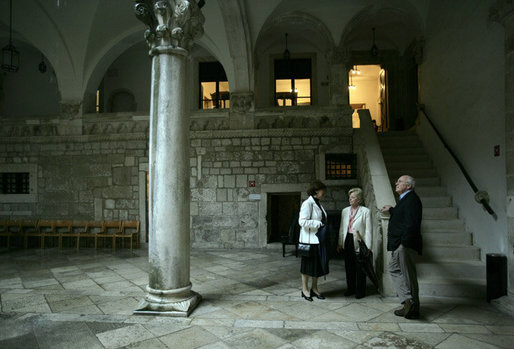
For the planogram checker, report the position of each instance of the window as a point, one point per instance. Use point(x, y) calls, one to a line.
point(340, 166)
point(15, 182)
point(214, 90)
point(293, 82)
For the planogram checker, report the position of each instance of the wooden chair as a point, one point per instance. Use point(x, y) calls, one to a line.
point(29, 228)
point(46, 228)
point(14, 229)
point(111, 229)
point(63, 229)
point(291, 238)
point(129, 230)
point(93, 229)
point(78, 229)
point(4, 231)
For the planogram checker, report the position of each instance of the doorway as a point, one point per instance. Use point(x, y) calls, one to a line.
point(282, 208)
point(367, 87)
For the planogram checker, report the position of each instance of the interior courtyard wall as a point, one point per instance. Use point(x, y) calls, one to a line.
point(97, 175)
point(464, 97)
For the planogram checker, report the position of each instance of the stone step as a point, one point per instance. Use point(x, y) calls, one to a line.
point(414, 172)
point(392, 134)
point(400, 143)
point(430, 191)
point(395, 150)
point(447, 238)
point(402, 158)
point(464, 288)
point(435, 201)
point(421, 181)
point(436, 253)
point(440, 213)
point(429, 225)
point(401, 165)
point(452, 270)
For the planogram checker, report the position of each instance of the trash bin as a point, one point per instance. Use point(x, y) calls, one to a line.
point(496, 269)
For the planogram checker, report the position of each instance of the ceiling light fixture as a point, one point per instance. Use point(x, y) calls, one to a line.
point(287, 54)
point(374, 48)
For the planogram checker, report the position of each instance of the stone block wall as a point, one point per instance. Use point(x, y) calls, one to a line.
point(78, 177)
point(102, 176)
point(225, 164)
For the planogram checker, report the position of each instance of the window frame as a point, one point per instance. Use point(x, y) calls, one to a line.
point(313, 82)
point(31, 196)
point(217, 80)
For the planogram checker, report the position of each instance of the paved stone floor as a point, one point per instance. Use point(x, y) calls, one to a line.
point(251, 299)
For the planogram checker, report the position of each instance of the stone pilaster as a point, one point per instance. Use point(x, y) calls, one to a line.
point(338, 80)
point(503, 12)
point(241, 110)
point(172, 26)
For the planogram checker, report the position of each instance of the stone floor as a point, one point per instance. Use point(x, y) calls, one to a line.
point(251, 299)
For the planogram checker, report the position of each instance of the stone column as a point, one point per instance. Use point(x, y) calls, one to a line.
point(503, 12)
point(172, 26)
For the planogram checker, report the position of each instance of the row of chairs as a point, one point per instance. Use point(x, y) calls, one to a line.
point(42, 228)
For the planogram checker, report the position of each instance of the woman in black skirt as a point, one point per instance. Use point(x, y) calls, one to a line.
point(312, 217)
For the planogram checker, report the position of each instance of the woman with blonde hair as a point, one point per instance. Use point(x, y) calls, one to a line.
point(312, 217)
point(354, 218)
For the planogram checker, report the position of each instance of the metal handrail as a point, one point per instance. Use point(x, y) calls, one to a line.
point(481, 196)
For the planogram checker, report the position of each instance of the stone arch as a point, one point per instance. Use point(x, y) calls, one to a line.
point(121, 100)
point(304, 24)
point(308, 37)
point(238, 35)
point(397, 25)
point(102, 61)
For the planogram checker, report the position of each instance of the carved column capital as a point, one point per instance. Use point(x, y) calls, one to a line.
point(70, 109)
point(170, 24)
point(241, 102)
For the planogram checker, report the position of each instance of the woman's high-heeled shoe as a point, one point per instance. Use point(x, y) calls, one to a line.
point(318, 296)
point(307, 298)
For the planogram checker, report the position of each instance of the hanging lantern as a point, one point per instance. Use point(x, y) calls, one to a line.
point(10, 56)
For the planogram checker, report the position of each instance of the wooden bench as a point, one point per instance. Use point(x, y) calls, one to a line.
point(46, 228)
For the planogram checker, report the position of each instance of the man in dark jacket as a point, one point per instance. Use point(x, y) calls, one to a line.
point(404, 241)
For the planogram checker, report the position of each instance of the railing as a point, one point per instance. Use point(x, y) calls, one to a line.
point(377, 191)
point(480, 196)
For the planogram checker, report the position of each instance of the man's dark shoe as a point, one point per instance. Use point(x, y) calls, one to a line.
point(400, 312)
point(411, 309)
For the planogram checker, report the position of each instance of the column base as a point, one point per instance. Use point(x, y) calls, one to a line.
point(176, 303)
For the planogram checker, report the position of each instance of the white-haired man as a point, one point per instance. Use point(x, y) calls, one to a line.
point(404, 241)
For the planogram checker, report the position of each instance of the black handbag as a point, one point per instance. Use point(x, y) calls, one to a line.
point(304, 250)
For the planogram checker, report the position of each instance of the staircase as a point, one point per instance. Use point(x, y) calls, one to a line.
point(450, 265)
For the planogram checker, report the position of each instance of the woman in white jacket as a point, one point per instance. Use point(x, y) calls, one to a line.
point(354, 218)
point(312, 217)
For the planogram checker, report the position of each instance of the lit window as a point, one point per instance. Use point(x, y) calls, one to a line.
point(15, 182)
point(293, 82)
point(214, 90)
point(340, 166)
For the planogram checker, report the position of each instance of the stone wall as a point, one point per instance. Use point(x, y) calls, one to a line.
point(100, 174)
point(223, 212)
point(80, 177)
